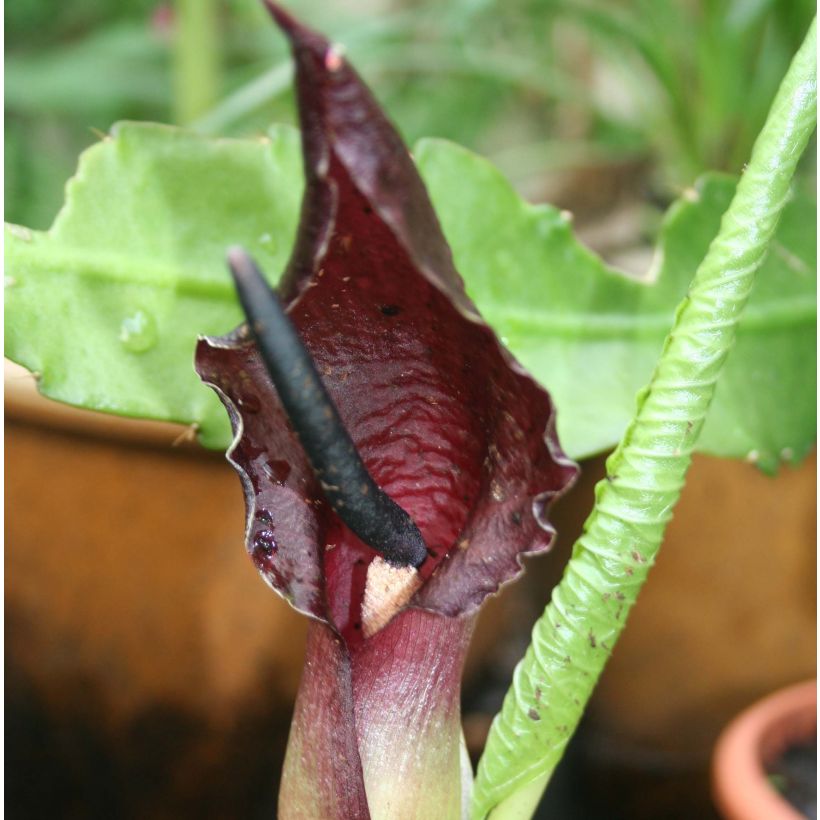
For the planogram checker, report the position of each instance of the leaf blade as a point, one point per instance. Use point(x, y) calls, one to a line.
point(133, 268)
point(593, 334)
point(152, 208)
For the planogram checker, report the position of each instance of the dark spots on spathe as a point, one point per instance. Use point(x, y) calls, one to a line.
point(517, 518)
point(264, 543)
point(390, 310)
point(533, 714)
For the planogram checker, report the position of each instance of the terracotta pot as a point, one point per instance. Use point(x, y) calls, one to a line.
point(149, 670)
point(148, 666)
point(751, 743)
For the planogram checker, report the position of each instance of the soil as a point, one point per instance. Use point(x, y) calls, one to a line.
point(794, 775)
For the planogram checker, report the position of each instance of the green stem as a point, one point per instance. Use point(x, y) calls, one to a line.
point(196, 59)
point(573, 639)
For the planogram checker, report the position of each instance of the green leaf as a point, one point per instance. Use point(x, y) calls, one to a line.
point(592, 334)
point(137, 252)
point(68, 80)
point(106, 306)
point(765, 406)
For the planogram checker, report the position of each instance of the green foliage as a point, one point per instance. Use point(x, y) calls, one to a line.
point(56, 98)
point(702, 74)
point(141, 240)
point(544, 87)
point(593, 335)
point(38, 24)
point(106, 306)
point(765, 402)
point(572, 640)
point(66, 80)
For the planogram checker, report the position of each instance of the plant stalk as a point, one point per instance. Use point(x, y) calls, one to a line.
point(573, 639)
point(196, 64)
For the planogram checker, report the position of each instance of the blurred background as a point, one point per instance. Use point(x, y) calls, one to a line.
point(556, 92)
point(149, 673)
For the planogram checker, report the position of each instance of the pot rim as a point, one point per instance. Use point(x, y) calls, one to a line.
point(755, 738)
point(24, 403)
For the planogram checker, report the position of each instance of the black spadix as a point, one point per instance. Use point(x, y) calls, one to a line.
point(368, 511)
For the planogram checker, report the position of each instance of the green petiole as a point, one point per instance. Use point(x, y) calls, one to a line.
point(572, 640)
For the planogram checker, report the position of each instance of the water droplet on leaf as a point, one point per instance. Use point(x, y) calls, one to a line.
point(138, 332)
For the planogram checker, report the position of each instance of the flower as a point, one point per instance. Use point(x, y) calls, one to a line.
point(446, 422)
